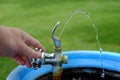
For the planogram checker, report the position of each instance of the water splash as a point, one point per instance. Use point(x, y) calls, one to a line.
point(103, 74)
point(101, 60)
point(93, 26)
point(77, 78)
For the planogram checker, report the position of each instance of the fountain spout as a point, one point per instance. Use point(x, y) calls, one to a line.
point(56, 59)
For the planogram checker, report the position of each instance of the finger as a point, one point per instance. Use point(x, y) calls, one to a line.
point(30, 41)
point(19, 60)
point(27, 61)
point(27, 51)
point(34, 43)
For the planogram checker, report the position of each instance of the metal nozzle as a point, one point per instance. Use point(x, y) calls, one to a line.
point(56, 59)
point(55, 39)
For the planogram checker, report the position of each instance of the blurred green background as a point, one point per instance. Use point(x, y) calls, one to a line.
point(37, 17)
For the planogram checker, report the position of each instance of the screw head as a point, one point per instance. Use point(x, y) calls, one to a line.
point(65, 59)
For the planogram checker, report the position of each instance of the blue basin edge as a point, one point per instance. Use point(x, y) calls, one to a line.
point(77, 58)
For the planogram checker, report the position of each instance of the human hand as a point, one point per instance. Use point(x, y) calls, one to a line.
point(15, 43)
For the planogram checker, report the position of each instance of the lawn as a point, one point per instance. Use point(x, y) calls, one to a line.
point(37, 17)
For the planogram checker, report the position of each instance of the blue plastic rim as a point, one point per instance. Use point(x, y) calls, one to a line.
point(110, 61)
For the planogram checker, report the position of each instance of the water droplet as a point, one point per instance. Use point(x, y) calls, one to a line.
point(103, 73)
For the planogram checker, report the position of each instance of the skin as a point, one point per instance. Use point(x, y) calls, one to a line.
point(15, 43)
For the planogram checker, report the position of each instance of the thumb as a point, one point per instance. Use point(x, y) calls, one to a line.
point(27, 51)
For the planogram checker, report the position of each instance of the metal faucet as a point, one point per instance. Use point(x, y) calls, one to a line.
point(56, 59)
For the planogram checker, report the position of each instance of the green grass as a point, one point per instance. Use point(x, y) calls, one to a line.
point(37, 17)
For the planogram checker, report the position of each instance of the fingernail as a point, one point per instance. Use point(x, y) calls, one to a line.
point(36, 49)
point(40, 50)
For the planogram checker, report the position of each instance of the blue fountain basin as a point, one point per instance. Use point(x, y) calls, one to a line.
point(76, 59)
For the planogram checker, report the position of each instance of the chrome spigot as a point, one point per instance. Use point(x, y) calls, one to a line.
point(56, 59)
point(59, 58)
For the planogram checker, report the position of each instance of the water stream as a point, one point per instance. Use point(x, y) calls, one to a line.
point(83, 12)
